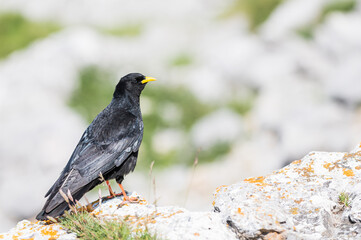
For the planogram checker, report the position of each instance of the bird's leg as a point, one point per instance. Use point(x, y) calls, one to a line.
point(126, 198)
point(111, 193)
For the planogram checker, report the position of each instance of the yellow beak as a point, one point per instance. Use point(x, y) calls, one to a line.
point(148, 79)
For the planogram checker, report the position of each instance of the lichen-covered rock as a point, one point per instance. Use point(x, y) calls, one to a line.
point(37, 231)
point(317, 197)
point(164, 222)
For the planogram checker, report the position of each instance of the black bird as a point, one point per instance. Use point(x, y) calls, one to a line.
point(108, 146)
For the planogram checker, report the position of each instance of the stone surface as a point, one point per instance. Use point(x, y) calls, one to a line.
point(164, 222)
point(299, 201)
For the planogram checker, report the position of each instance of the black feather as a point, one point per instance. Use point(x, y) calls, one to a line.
point(109, 146)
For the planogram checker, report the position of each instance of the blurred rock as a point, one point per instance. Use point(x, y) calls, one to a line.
point(218, 127)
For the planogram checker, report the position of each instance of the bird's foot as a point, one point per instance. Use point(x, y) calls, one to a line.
point(114, 196)
point(128, 200)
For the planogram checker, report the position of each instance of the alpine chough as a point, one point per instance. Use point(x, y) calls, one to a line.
point(109, 146)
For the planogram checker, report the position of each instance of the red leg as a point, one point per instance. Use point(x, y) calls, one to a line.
point(123, 191)
point(111, 193)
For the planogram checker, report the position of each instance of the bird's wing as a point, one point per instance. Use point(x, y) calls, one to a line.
point(98, 151)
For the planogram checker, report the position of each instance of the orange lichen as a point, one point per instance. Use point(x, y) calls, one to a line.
point(48, 231)
point(352, 155)
point(220, 187)
point(358, 167)
point(196, 234)
point(306, 171)
point(296, 162)
point(294, 211)
point(348, 172)
point(258, 181)
point(239, 211)
point(327, 165)
point(298, 201)
point(1, 236)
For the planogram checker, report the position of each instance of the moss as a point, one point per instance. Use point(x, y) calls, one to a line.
point(256, 11)
point(88, 226)
point(16, 32)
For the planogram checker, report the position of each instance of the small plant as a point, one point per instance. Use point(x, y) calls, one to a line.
point(344, 199)
point(87, 226)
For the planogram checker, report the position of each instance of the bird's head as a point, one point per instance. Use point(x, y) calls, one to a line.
point(133, 83)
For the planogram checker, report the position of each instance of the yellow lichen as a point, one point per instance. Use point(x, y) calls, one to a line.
point(294, 211)
point(48, 231)
point(327, 165)
point(220, 187)
point(348, 172)
point(296, 162)
point(259, 181)
point(239, 211)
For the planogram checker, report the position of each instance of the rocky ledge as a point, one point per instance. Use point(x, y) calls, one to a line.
point(318, 197)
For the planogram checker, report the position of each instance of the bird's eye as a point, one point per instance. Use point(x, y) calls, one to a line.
point(140, 78)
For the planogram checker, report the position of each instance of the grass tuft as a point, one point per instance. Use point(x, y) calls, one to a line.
point(344, 199)
point(87, 226)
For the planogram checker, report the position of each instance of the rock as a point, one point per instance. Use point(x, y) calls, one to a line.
point(317, 197)
point(299, 201)
point(29, 230)
point(165, 222)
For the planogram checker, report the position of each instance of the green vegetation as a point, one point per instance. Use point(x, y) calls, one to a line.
point(256, 11)
point(87, 226)
point(333, 6)
point(93, 93)
point(16, 32)
point(163, 108)
point(182, 60)
point(344, 199)
point(337, 6)
point(130, 30)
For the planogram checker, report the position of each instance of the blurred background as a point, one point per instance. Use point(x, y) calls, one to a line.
point(244, 86)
